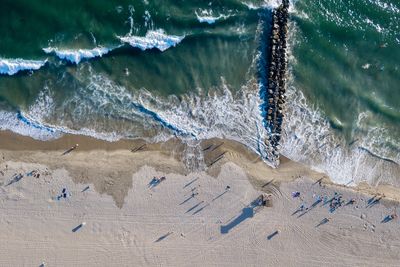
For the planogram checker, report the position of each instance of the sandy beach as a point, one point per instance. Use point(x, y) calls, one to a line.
point(99, 205)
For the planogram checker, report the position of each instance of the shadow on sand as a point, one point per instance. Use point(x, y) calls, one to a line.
point(247, 212)
point(322, 222)
point(387, 219)
point(77, 227)
point(163, 237)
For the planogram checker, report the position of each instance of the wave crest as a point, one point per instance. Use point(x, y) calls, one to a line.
point(153, 39)
point(76, 56)
point(13, 66)
point(206, 16)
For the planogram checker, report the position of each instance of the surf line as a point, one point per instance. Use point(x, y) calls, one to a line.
point(274, 97)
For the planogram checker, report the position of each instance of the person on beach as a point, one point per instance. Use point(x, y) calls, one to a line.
point(71, 149)
point(295, 194)
point(302, 207)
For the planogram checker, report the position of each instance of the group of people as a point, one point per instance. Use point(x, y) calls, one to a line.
point(334, 203)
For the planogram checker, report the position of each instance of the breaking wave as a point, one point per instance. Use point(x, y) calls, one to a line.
point(206, 16)
point(309, 138)
point(193, 117)
point(76, 56)
point(153, 39)
point(13, 66)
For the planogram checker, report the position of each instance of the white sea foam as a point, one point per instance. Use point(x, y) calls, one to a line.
point(307, 135)
point(192, 118)
point(13, 66)
point(13, 122)
point(309, 138)
point(206, 16)
point(77, 55)
point(251, 6)
point(153, 39)
point(268, 4)
point(366, 66)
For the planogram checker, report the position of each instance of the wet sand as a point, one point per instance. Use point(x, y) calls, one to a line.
point(129, 222)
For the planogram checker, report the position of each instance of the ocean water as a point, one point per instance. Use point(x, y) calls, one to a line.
point(158, 69)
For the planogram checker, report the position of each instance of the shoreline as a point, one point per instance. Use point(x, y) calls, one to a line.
point(101, 204)
point(15, 147)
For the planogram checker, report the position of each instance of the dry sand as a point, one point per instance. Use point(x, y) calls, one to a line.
point(129, 223)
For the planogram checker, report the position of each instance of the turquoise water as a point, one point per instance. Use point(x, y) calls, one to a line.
point(156, 69)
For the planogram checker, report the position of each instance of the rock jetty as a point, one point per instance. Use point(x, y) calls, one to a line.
point(274, 97)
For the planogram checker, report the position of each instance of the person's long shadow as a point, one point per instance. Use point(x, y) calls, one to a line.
point(77, 228)
point(247, 212)
point(161, 238)
point(373, 201)
point(191, 182)
point(195, 206)
point(387, 219)
point(308, 210)
point(15, 179)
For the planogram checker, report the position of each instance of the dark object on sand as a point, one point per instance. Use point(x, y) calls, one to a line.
point(208, 147)
point(296, 194)
point(323, 221)
point(78, 227)
point(71, 149)
point(272, 235)
point(351, 202)
point(164, 236)
point(218, 158)
point(133, 150)
point(373, 201)
point(64, 194)
point(265, 200)
point(191, 182)
point(319, 181)
point(85, 189)
point(216, 147)
point(15, 179)
point(389, 218)
point(156, 181)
